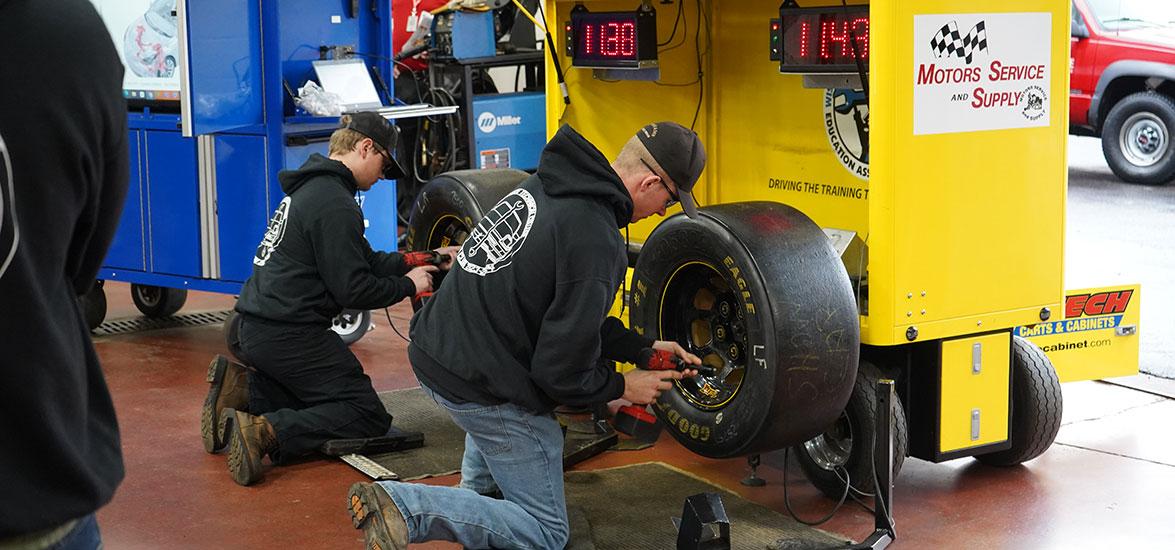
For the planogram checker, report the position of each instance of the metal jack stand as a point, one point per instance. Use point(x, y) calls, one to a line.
point(883, 529)
point(753, 480)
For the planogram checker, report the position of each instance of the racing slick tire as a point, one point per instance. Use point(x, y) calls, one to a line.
point(758, 292)
point(451, 204)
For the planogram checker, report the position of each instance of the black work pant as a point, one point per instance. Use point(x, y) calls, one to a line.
point(309, 386)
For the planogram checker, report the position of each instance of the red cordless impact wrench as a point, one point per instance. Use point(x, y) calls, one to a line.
point(423, 258)
point(636, 420)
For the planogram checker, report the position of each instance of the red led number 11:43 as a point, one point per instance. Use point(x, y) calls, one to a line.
point(610, 39)
point(836, 34)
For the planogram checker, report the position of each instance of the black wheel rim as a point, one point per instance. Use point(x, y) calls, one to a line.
point(150, 296)
point(701, 311)
point(449, 230)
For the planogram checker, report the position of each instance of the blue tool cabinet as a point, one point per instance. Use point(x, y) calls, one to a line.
point(203, 181)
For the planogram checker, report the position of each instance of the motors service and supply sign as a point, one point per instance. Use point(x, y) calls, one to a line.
point(981, 71)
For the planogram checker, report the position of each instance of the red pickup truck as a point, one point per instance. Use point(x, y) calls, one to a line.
point(1122, 85)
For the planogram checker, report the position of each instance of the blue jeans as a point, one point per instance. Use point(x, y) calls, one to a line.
point(83, 536)
point(523, 453)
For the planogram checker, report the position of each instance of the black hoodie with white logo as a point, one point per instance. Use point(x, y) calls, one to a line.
point(522, 318)
point(314, 260)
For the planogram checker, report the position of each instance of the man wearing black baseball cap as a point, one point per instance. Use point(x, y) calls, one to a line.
point(531, 292)
point(306, 387)
point(675, 154)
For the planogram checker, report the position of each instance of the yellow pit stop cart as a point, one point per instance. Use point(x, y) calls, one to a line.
point(885, 199)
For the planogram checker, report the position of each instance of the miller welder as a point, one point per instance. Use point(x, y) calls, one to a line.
point(493, 129)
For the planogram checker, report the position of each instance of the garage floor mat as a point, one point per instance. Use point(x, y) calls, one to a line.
point(632, 506)
point(444, 442)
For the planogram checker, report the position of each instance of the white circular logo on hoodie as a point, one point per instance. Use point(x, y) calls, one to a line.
point(499, 235)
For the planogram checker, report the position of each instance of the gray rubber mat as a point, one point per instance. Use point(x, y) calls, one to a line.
point(139, 324)
point(632, 506)
point(444, 442)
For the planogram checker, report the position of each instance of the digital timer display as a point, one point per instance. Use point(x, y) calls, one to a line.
point(821, 40)
point(612, 39)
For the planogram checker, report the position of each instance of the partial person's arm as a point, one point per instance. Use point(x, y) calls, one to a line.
point(619, 343)
point(341, 253)
point(385, 264)
point(566, 362)
point(99, 219)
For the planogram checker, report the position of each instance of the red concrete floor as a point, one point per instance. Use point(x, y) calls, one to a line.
point(1108, 481)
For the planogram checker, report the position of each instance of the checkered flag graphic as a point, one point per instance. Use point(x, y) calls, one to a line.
point(948, 42)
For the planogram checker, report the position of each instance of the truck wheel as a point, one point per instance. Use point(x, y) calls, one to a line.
point(351, 325)
point(451, 204)
point(848, 444)
point(1036, 406)
point(1137, 138)
point(158, 301)
point(93, 305)
point(757, 291)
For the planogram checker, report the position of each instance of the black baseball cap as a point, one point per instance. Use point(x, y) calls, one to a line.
point(679, 153)
point(383, 133)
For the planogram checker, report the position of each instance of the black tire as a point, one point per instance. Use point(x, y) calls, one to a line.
point(351, 325)
point(756, 290)
point(158, 301)
point(848, 443)
point(1138, 138)
point(1036, 406)
point(451, 204)
point(93, 306)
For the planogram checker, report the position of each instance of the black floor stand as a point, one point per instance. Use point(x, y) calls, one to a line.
point(883, 529)
point(583, 440)
point(753, 480)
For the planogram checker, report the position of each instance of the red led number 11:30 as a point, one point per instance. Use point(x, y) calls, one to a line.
point(610, 39)
point(836, 34)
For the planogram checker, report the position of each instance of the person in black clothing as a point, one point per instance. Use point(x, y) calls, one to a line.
point(536, 279)
point(305, 387)
point(63, 178)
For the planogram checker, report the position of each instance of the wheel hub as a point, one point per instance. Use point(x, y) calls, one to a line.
point(1143, 139)
point(830, 450)
point(149, 295)
point(701, 312)
point(345, 322)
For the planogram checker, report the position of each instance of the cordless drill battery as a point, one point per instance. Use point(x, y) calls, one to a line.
point(424, 257)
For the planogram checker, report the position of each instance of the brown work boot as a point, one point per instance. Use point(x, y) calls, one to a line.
point(374, 511)
point(250, 439)
point(230, 390)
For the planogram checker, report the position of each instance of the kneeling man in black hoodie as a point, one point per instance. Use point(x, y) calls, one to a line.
point(306, 387)
point(536, 279)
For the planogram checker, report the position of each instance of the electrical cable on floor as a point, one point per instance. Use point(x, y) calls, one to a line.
point(877, 487)
point(393, 325)
point(787, 498)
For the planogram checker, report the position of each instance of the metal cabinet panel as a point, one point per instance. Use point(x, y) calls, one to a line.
point(127, 250)
point(241, 202)
point(221, 81)
point(975, 398)
point(173, 210)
